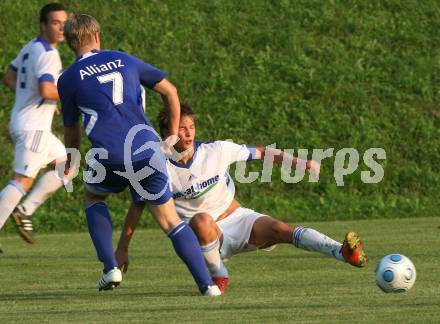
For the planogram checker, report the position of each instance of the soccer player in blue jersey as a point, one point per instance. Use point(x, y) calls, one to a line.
point(32, 75)
point(105, 88)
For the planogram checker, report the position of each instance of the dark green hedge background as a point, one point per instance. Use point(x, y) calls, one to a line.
point(301, 74)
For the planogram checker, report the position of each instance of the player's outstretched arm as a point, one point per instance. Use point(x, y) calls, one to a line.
point(279, 156)
point(10, 79)
point(171, 102)
point(131, 221)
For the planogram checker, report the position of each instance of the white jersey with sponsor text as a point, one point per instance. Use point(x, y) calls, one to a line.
point(204, 184)
point(37, 62)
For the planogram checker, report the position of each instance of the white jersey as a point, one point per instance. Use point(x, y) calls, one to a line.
point(204, 184)
point(37, 62)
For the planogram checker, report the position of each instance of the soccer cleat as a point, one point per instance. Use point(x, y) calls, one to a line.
point(352, 250)
point(212, 291)
point(109, 280)
point(24, 227)
point(221, 282)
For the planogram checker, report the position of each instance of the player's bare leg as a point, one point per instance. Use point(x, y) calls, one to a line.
point(185, 244)
point(26, 182)
point(45, 186)
point(268, 231)
point(209, 235)
point(205, 228)
point(165, 215)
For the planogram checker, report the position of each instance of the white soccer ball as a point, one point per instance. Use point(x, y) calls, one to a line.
point(395, 273)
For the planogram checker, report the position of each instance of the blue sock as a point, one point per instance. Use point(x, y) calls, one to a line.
point(100, 229)
point(188, 249)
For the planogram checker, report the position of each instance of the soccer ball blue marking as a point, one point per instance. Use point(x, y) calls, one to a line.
point(388, 276)
point(395, 257)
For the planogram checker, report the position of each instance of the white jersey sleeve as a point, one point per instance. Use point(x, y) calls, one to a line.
point(14, 63)
point(47, 67)
point(231, 152)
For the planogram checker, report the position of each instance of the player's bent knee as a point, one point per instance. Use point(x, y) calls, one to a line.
point(202, 220)
point(204, 226)
point(24, 181)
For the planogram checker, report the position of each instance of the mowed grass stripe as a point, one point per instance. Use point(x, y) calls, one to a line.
point(54, 281)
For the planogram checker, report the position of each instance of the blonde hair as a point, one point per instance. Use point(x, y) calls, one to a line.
point(79, 30)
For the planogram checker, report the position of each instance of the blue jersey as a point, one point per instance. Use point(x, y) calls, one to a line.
point(104, 87)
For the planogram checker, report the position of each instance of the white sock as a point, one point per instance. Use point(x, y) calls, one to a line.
point(9, 198)
point(46, 185)
point(211, 253)
point(312, 240)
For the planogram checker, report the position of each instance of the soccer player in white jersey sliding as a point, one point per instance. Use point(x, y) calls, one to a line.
point(33, 75)
point(204, 195)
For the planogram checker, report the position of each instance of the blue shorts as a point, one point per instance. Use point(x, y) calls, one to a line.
point(155, 188)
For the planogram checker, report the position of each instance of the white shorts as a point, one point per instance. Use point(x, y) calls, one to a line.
point(237, 228)
point(34, 150)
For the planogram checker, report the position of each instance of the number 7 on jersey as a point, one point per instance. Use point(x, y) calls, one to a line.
point(118, 86)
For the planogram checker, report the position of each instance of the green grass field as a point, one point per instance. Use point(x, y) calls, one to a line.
point(54, 281)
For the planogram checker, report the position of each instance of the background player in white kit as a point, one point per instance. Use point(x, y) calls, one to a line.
point(204, 196)
point(33, 75)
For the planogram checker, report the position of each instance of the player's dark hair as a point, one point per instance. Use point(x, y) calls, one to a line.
point(47, 9)
point(163, 117)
